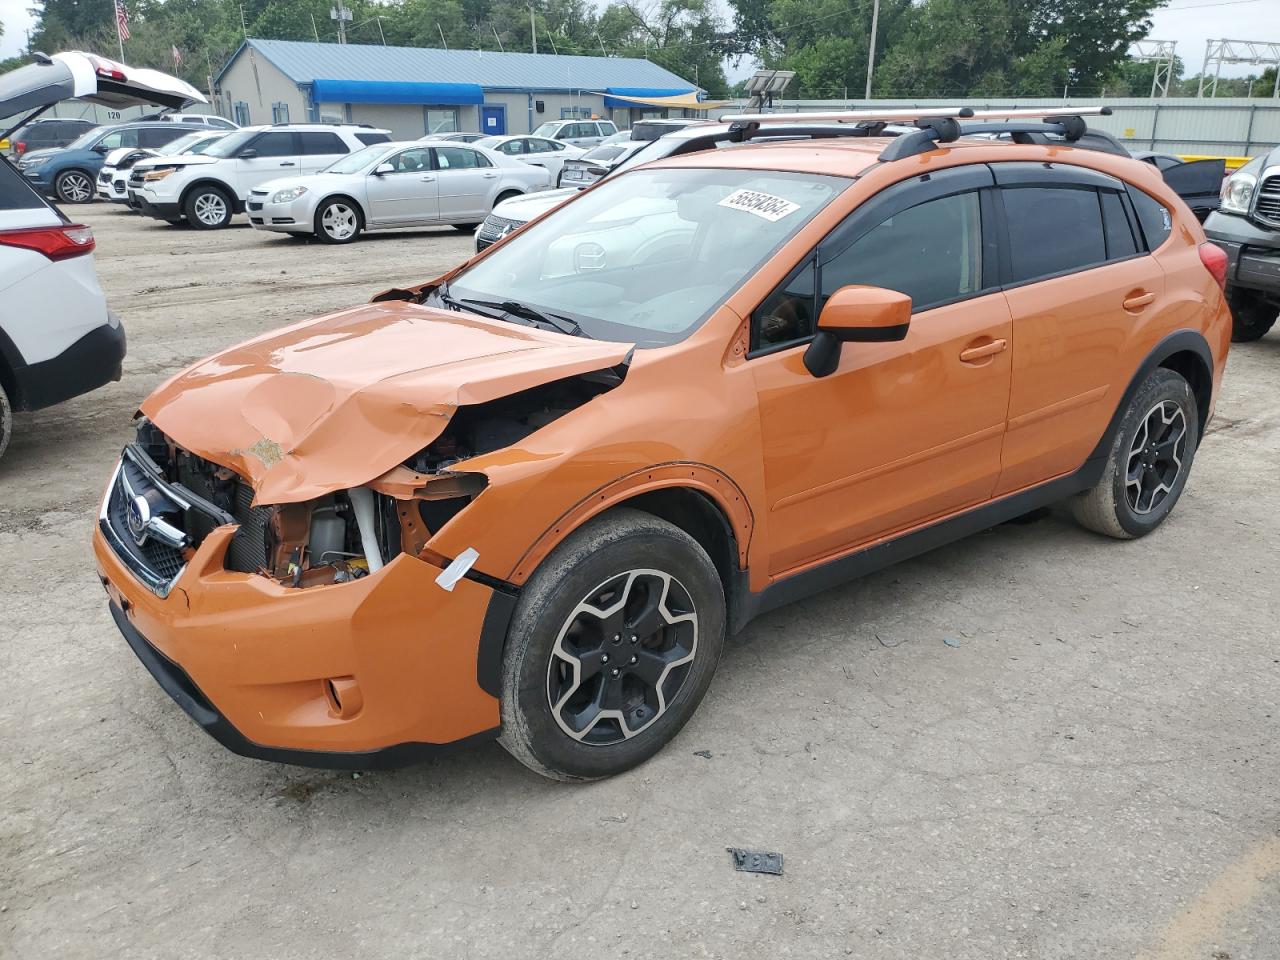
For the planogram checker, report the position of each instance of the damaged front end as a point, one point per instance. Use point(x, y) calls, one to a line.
point(341, 536)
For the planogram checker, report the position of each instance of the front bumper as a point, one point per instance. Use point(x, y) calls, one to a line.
point(381, 670)
point(295, 216)
point(161, 210)
point(39, 179)
point(94, 360)
point(1253, 252)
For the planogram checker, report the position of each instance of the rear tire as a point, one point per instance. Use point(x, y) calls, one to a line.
point(338, 220)
point(500, 198)
point(1149, 461)
point(6, 421)
point(74, 186)
point(208, 208)
point(466, 227)
point(581, 699)
point(1251, 315)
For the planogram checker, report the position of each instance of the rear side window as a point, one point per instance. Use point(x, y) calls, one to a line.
point(931, 252)
point(368, 139)
point(1154, 217)
point(315, 143)
point(1053, 230)
point(459, 158)
point(14, 192)
point(1121, 242)
point(158, 137)
point(275, 145)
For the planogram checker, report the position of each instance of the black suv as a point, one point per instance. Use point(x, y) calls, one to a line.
point(1247, 226)
point(47, 133)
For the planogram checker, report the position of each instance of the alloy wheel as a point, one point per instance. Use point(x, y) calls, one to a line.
point(339, 221)
point(1155, 457)
point(622, 656)
point(75, 187)
point(211, 209)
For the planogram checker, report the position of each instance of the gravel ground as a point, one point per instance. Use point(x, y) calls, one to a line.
point(1033, 743)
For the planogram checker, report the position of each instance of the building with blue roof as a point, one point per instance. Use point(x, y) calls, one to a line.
point(412, 91)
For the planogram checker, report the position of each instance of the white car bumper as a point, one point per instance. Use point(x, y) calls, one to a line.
point(293, 216)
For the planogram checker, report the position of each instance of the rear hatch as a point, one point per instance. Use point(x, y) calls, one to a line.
point(64, 76)
point(1198, 183)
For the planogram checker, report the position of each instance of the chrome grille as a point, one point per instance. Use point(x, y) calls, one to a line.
point(1267, 207)
point(154, 556)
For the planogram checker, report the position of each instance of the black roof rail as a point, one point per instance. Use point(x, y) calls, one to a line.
point(934, 130)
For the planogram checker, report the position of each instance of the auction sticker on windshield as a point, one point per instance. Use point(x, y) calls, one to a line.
point(764, 205)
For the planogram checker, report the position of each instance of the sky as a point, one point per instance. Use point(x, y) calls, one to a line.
point(1189, 22)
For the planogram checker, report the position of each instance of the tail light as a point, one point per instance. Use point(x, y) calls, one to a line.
point(1214, 259)
point(21, 147)
point(56, 243)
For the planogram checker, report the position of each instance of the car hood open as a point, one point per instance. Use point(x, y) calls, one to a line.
point(88, 76)
point(334, 402)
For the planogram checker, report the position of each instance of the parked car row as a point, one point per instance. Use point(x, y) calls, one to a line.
point(114, 176)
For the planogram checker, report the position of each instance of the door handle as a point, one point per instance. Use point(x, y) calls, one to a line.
point(427, 179)
point(982, 351)
point(288, 163)
point(491, 176)
point(1139, 301)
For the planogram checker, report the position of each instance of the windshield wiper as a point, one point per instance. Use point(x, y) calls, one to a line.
point(555, 321)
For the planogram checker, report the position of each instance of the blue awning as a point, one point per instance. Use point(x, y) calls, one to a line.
point(624, 96)
point(394, 91)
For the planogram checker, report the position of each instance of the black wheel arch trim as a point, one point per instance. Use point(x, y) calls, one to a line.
point(1180, 341)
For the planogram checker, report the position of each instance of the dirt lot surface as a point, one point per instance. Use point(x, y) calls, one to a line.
point(1035, 743)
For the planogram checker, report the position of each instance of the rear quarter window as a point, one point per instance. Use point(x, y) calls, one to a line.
point(318, 143)
point(1153, 217)
point(371, 138)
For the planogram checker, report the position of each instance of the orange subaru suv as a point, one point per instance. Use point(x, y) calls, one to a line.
point(528, 500)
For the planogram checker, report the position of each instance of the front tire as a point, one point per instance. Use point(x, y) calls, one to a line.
point(207, 208)
point(611, 648)
point(338, 221)
point(1251, 315)
point(74, 186)
point(1149, 462)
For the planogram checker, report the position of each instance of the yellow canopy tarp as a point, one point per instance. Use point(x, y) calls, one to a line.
point(684, 101)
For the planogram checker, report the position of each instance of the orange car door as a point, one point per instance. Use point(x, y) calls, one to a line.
point(1080, 286)
point(901, 432)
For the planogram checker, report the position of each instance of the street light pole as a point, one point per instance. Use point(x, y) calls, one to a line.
point(871, 51)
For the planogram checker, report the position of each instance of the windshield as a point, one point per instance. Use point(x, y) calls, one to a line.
point(85, 140)
point(355, 162)
point(490, 143)
point(647, 257)
point(547, 129)
point(231, 144)
point(182, 143)
point(202, 143)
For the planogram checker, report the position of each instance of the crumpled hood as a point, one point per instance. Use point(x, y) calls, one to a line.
point(335, 402)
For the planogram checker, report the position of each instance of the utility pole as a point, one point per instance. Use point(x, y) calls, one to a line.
point(871, 50)
point(501, 48)
point(314, 29)
point(533, 28)
point(342, 15)
point(442, 39)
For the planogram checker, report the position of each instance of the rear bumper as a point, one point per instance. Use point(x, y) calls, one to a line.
point(92, 361)
point(1253, 253)
point(258, 665)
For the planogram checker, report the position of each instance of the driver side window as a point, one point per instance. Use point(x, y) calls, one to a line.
point(932, 252)
point(412, 161)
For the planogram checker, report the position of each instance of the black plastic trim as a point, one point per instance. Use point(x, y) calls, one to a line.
point(493, 640)
point(178, 685)
point(1024, 173)
point(93, 360)
point(159, 211)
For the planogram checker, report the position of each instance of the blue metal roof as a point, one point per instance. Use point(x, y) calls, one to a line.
point(307, 62)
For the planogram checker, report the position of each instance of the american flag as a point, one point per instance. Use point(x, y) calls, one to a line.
point(122, 20)
point(177, 57)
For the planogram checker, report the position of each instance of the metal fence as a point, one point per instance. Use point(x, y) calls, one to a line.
point(1227, 126)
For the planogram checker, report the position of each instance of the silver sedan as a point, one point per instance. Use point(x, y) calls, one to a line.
point(391, 185)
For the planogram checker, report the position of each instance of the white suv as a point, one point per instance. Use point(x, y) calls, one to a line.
point(208, 189)
point(57, 338)
point(579, 133)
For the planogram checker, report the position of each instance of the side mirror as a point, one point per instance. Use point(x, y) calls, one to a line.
point(382, 169)
point(101, 148)
point(248, 153)
point(856, 314)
